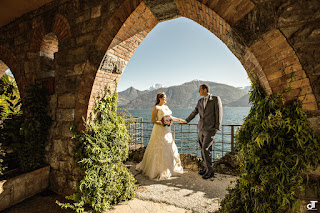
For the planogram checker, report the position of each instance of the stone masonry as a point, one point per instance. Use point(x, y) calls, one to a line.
point(77, 47)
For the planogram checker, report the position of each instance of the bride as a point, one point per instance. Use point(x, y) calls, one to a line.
point(161, 159)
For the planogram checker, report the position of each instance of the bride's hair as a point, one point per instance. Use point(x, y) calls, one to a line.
point(159, 95)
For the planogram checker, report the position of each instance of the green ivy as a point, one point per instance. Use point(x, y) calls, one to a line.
point(102, 150)
point(276, 147)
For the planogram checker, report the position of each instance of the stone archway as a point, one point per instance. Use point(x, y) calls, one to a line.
point(269, 57)
point(272, 39)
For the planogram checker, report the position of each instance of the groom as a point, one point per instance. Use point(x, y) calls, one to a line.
point(210, 111)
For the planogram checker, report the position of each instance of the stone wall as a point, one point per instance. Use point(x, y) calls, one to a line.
point(273, 40)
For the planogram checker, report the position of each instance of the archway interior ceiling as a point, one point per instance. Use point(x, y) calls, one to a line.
point(12, 9)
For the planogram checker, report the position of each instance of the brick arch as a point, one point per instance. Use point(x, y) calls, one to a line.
point(8, 57)
point(207, 15)
point(270, 58)
point(279, 64)
point(38, 34)
point(125, 42)
point(60, 28)
point(9, 60)
point(110, 43)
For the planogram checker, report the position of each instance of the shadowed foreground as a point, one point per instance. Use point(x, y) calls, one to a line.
point(187, 193)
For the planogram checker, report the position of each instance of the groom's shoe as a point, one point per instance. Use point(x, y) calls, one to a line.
point(202, 172)
point(209, 175)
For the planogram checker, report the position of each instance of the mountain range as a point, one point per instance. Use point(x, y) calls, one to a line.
point(183, 96)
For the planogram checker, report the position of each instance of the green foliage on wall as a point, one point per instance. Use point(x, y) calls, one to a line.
point(10, 101)
point(102, 150)
point(27, 134)
point(276, 147)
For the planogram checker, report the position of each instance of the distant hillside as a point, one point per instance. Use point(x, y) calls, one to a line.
point(241, 102)
point(181, 96)
point(246, 88)
point(128, 95)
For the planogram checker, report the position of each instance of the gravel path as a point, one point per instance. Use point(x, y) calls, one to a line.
point(189, 191)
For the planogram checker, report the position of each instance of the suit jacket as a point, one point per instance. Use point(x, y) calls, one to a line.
point(211, 116)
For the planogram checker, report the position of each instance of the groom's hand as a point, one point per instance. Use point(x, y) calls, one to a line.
point(183, 121)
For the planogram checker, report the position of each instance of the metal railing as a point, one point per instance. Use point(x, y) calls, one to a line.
point(185, 137)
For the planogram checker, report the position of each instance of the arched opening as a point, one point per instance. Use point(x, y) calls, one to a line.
point(49, 46)
point(269, 57)
point(10, 102)
point(181, 55)
point(10, 83)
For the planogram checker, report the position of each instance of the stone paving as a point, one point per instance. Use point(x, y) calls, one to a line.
point(142, 206)
point(184, 194)
point(187, 193)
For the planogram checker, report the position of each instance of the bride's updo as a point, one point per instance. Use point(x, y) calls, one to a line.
point(159, 95)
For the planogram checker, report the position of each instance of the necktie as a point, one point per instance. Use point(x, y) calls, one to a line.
point(205, 102)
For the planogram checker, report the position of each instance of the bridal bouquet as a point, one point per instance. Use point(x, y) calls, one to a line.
point(166, 120)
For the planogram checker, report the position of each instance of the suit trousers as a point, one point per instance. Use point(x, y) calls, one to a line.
point(206, 140)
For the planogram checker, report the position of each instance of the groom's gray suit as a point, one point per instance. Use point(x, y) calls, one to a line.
point(210, 121)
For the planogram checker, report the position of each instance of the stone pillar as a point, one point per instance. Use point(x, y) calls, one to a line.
point(60, 147)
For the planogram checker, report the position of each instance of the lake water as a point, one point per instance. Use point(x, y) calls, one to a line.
point(231, 115)
point(187, 142)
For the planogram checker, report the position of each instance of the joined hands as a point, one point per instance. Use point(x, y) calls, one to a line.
point(182, 121)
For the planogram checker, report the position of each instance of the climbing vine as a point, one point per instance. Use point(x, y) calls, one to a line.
point(276, 147)
point(102, 149)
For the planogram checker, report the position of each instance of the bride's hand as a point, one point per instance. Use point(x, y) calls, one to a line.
point(182, 121)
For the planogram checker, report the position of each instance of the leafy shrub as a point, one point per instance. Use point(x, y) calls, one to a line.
point(26, 134)
point(9, 108)
point(10, 130)
point(102, 150)
point(276, 147)
point(10, 101)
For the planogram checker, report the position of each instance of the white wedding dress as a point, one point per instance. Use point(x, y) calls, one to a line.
point(161, 159)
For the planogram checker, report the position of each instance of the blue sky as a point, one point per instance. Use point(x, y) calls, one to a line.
point(178, 51)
